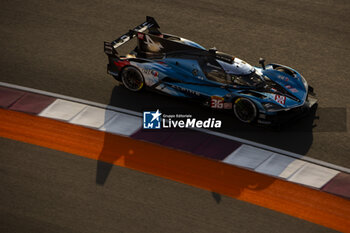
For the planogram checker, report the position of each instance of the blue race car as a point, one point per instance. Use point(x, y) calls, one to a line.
point(176, 66)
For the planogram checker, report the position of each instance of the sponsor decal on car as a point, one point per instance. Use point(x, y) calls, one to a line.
point(227, 105)
point(292, 89)
point(151, 72)
point(217, 102)
point(140, 36)
point(154, 73)
point(280, 99)
point(152, 46)
point(120, 64)
point(284, 78)
point(164, 64)
point(187, 91)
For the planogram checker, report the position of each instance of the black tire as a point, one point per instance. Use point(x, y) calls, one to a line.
point(245, 110)
point(132, 78)
point(117, 78)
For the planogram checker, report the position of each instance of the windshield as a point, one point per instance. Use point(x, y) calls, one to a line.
point(252, 79)
point(241, 73)
point(238, 67)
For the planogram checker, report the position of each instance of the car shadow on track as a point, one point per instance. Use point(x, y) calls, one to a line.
point(121, 97)
point(218, 178)
point(295, 136)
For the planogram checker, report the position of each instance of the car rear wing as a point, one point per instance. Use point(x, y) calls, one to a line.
point(150, 24)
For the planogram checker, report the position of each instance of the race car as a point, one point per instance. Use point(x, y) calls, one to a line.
point(173, 65)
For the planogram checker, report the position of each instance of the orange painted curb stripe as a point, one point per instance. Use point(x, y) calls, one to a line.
point(279, 195)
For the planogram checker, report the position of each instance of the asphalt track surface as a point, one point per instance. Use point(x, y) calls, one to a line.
point(57, 47)
point(51, 191)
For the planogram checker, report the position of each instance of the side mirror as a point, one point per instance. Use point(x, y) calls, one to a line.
point(213, 51)
point(262, 62)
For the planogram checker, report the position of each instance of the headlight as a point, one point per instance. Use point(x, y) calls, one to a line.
point(272, 107)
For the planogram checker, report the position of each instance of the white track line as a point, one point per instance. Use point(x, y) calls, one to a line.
point(138, 114)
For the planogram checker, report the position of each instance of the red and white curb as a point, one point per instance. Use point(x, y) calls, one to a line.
point(213, 145)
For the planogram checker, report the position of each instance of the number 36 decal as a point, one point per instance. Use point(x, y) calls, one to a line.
point(217, 102)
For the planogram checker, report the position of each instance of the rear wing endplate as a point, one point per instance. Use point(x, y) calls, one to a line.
point(150, 24)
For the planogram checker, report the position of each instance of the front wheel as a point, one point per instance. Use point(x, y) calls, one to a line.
point(245, 110)
point(132, 78)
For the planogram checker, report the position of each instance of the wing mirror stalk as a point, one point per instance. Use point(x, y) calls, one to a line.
point(262, 62)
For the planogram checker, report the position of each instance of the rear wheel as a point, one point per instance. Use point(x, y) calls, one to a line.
point(132, 78)
point(245, 110)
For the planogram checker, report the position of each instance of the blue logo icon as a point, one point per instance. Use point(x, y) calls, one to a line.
point(151, 120)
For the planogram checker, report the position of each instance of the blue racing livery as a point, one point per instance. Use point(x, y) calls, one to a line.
point(169, 64)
